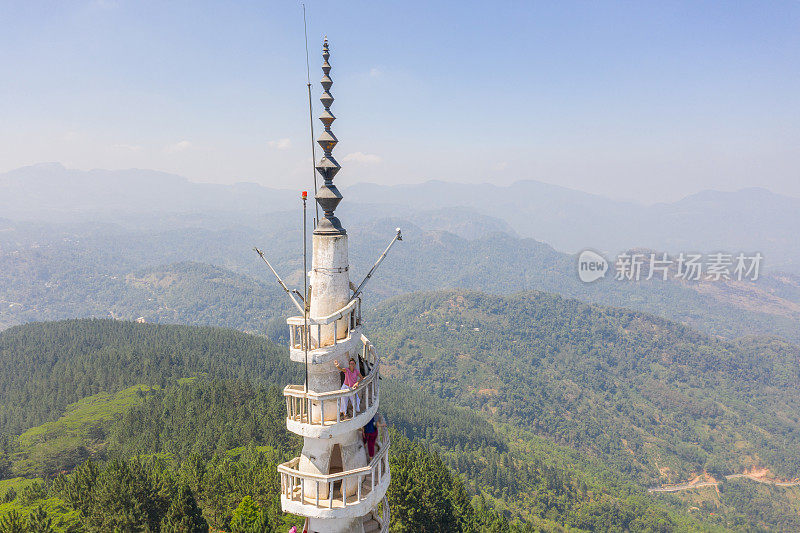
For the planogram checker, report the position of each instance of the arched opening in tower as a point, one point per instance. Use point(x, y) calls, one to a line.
point(336, 466)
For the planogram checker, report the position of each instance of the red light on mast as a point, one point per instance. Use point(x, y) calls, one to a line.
point(304, 195)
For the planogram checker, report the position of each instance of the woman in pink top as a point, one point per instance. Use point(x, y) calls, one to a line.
point(352, 377)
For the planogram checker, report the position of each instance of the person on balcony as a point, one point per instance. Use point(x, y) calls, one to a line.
point(370, 432)
point(352, 377)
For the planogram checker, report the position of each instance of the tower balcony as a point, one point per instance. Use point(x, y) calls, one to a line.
point(323, 337)
point(318, 414)
point(332, 495)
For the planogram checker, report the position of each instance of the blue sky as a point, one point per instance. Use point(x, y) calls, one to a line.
point(637, 100)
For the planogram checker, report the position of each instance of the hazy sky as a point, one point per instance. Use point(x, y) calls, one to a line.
point(636, 100)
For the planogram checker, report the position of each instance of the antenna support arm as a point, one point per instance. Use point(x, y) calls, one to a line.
point(282, 284)
point(357, 292)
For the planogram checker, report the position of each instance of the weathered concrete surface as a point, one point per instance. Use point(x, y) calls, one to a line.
point(330, 283)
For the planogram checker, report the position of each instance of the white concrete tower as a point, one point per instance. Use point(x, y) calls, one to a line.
point(334, 482)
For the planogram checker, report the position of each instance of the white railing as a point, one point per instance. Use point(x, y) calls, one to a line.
point(320, 408)
point(302, 335)
point(384, 519)
point(329, 491)
point(368, 354)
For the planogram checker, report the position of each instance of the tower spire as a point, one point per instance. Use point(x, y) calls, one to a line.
point(328, 196)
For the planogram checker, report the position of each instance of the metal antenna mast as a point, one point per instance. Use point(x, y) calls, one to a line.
point(311, 117)
point(306, 299)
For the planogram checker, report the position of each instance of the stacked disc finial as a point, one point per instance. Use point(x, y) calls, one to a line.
point(328, 196)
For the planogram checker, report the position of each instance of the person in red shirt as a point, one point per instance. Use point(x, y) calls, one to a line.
point(352, 377)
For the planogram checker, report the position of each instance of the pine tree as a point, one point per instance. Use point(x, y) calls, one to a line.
point(10, 495)
point(39, 522)
point(12, 523)
point(184, 515)
point(249, 518)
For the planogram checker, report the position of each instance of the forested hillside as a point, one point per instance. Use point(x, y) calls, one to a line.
point(513, 466)
point(204, 453)
point(209, 419)
point(655, 399)
point(45, 367)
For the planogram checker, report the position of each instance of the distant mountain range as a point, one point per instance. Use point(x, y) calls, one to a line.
point(51, 192)
point(104, 260)
point(748, 220)
point(51, 272)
